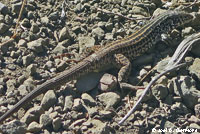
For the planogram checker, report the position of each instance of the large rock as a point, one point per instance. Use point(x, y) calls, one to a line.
point(195, 68)
point(110, 99)
point(88, 82)
point(85, 42)
point(64, 34)
point(98, 33)
point(32, 114)
point(14, 127)
point(37, 45)
point(184, 87)
point(48, 100)
point(3, 8)
point(3, 28)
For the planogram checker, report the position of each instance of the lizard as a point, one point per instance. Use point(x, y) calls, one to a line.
point(116, 54)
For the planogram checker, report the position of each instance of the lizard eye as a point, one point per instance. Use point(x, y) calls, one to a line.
point(186, 18)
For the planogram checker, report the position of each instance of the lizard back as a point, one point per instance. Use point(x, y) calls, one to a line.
point(131, 47)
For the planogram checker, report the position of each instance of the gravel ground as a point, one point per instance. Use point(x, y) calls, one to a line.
point(95, 103)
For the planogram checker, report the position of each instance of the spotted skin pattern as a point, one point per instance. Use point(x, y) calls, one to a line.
point(118, 53)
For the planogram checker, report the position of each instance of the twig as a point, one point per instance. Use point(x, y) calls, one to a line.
point(19, 17)
point(193, 3)
point(141, 80)
point(146, 89)
point(186, 4)
point(17, 24)
point(173, 64)
point(182, 49)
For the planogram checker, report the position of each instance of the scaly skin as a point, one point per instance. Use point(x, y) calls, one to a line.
point(117, 53)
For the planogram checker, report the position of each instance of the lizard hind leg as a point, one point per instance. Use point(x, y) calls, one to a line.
point(125, 69)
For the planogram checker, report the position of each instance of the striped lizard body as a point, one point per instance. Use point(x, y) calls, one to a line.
point(118, 53)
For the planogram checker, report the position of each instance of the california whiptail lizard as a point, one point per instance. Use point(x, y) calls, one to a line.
point(118, 53)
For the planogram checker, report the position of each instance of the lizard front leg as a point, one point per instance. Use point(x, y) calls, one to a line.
point(125, 68)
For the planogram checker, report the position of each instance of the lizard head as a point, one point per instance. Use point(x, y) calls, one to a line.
point(185, 17)
point(177, 18)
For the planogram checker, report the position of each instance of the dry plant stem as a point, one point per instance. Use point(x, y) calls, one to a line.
point(147, 89)
point(182, 49)
point(145, 76)
point(194, 3)
point(17, 24)
point(173, 64)
point(188, 4)
point(4, 42)
point(19, 17)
